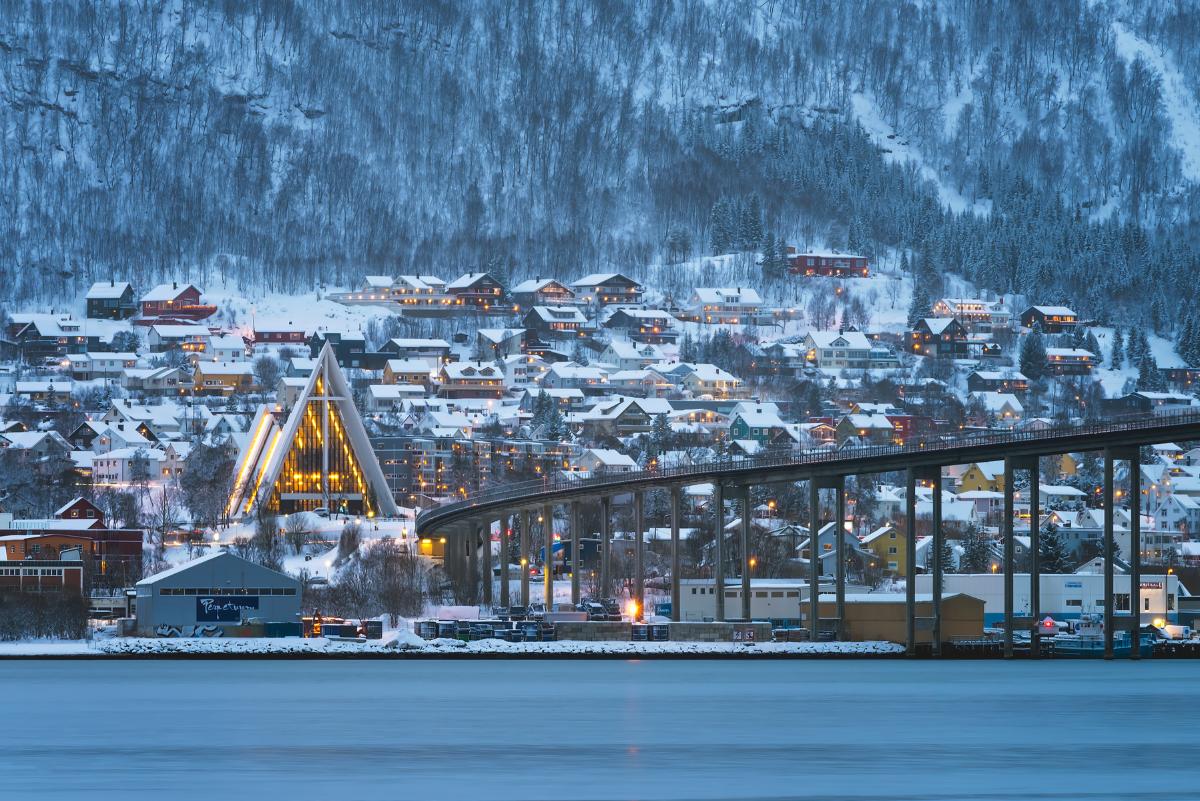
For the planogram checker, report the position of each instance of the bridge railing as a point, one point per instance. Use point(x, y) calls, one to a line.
point(703, 471)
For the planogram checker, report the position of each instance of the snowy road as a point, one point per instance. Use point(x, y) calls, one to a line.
point(597, 730)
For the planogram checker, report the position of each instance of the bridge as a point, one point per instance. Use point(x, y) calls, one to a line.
point(463, 523)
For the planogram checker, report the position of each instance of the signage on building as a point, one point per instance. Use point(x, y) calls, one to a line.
point(1074, 585)
point(224, 608)
point(1151, 585)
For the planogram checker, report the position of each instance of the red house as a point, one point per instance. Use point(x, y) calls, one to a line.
point(910, 427)
point(174, 303)
point(829, 265)
point(116, 552)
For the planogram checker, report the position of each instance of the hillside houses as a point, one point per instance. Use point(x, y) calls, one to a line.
point(1050, 319)
point(838, 350)
point(644, 326)
point(542, 292)
point(726, 305)
point(111, 300)
point(607, 289)
point(977, 316)
point(174, 303)
point(827, 264)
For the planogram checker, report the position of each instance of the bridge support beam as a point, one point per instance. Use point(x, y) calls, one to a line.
point(1108, 554)
point(814, 559)
point(910, 562)
point(472, 541)
point(1006, 531)
point(1035, 554)
point(938, 569)
point(719, 548)
point(840, 590)
point(1135, 554)
point(506, 529)
point(605, 536)
point(524, 560)
point(576, 562)
point(744, 546)
point(487, 574)
point(675, 589)
point(639, 554)
point(548, 556)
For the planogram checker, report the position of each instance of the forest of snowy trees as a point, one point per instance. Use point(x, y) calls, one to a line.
point(295, 145)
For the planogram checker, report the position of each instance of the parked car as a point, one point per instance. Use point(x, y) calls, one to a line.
point(595, 610)
point(537, 611)
point(321, 511)
point(613, 607)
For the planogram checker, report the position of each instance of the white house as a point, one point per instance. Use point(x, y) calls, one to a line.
point(726, 305)
point(838, 350)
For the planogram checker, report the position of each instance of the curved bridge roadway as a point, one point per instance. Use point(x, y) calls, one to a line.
point(465, 520)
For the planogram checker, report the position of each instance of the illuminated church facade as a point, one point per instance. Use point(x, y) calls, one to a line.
point(319, 457)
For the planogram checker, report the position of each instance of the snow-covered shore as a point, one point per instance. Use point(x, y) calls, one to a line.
point(403, 644)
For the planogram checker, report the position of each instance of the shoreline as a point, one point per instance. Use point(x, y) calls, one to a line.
point(408, 647)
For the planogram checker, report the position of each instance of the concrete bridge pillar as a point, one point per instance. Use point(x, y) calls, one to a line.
point(506, 526)
point(548, 560)
point(675, 590)
point(487, 573)
point(939, 569)
point(719, 548)
point(744, 545)
point(1108, 553)
point(840, 577)
point(639, 554)
point(1135, 554)
point(1006, 532)
point(576, 562)
point(524, 558)
point(605, 536)
point(814, 559)
point(1035, 555)
point(472, 543)
point(910, 562)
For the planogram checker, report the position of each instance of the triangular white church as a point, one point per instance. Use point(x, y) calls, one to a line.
point(319, 457)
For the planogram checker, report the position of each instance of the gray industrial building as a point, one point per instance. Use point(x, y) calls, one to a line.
point(219, 589)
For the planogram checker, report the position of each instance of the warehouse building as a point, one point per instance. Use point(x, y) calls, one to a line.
point(881, 616)
point(1066, 596)
point(219, 589)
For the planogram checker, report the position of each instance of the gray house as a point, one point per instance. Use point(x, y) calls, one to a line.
point(219, 589)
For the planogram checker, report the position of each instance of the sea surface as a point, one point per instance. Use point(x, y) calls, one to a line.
point(595, 730)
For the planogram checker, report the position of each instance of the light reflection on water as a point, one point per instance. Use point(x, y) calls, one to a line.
point(600, 730)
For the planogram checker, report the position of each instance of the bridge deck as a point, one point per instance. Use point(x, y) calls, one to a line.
point(789, 466)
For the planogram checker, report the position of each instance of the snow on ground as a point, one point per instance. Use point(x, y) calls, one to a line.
point(900, 149)
point(407, 643)
point(1178, 100)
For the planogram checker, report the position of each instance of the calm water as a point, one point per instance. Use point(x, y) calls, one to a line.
point(598, 730)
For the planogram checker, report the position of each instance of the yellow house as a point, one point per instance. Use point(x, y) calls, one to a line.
point(987, 476)
point(887, 543)
point(224, 378)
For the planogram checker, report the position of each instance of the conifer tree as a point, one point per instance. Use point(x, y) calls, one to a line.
point(1117, 354)
point(976, 556)
point(768, 262)
point(920, 306)
point(1052, 553)
point(1033, 355)
point(1150, 378)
